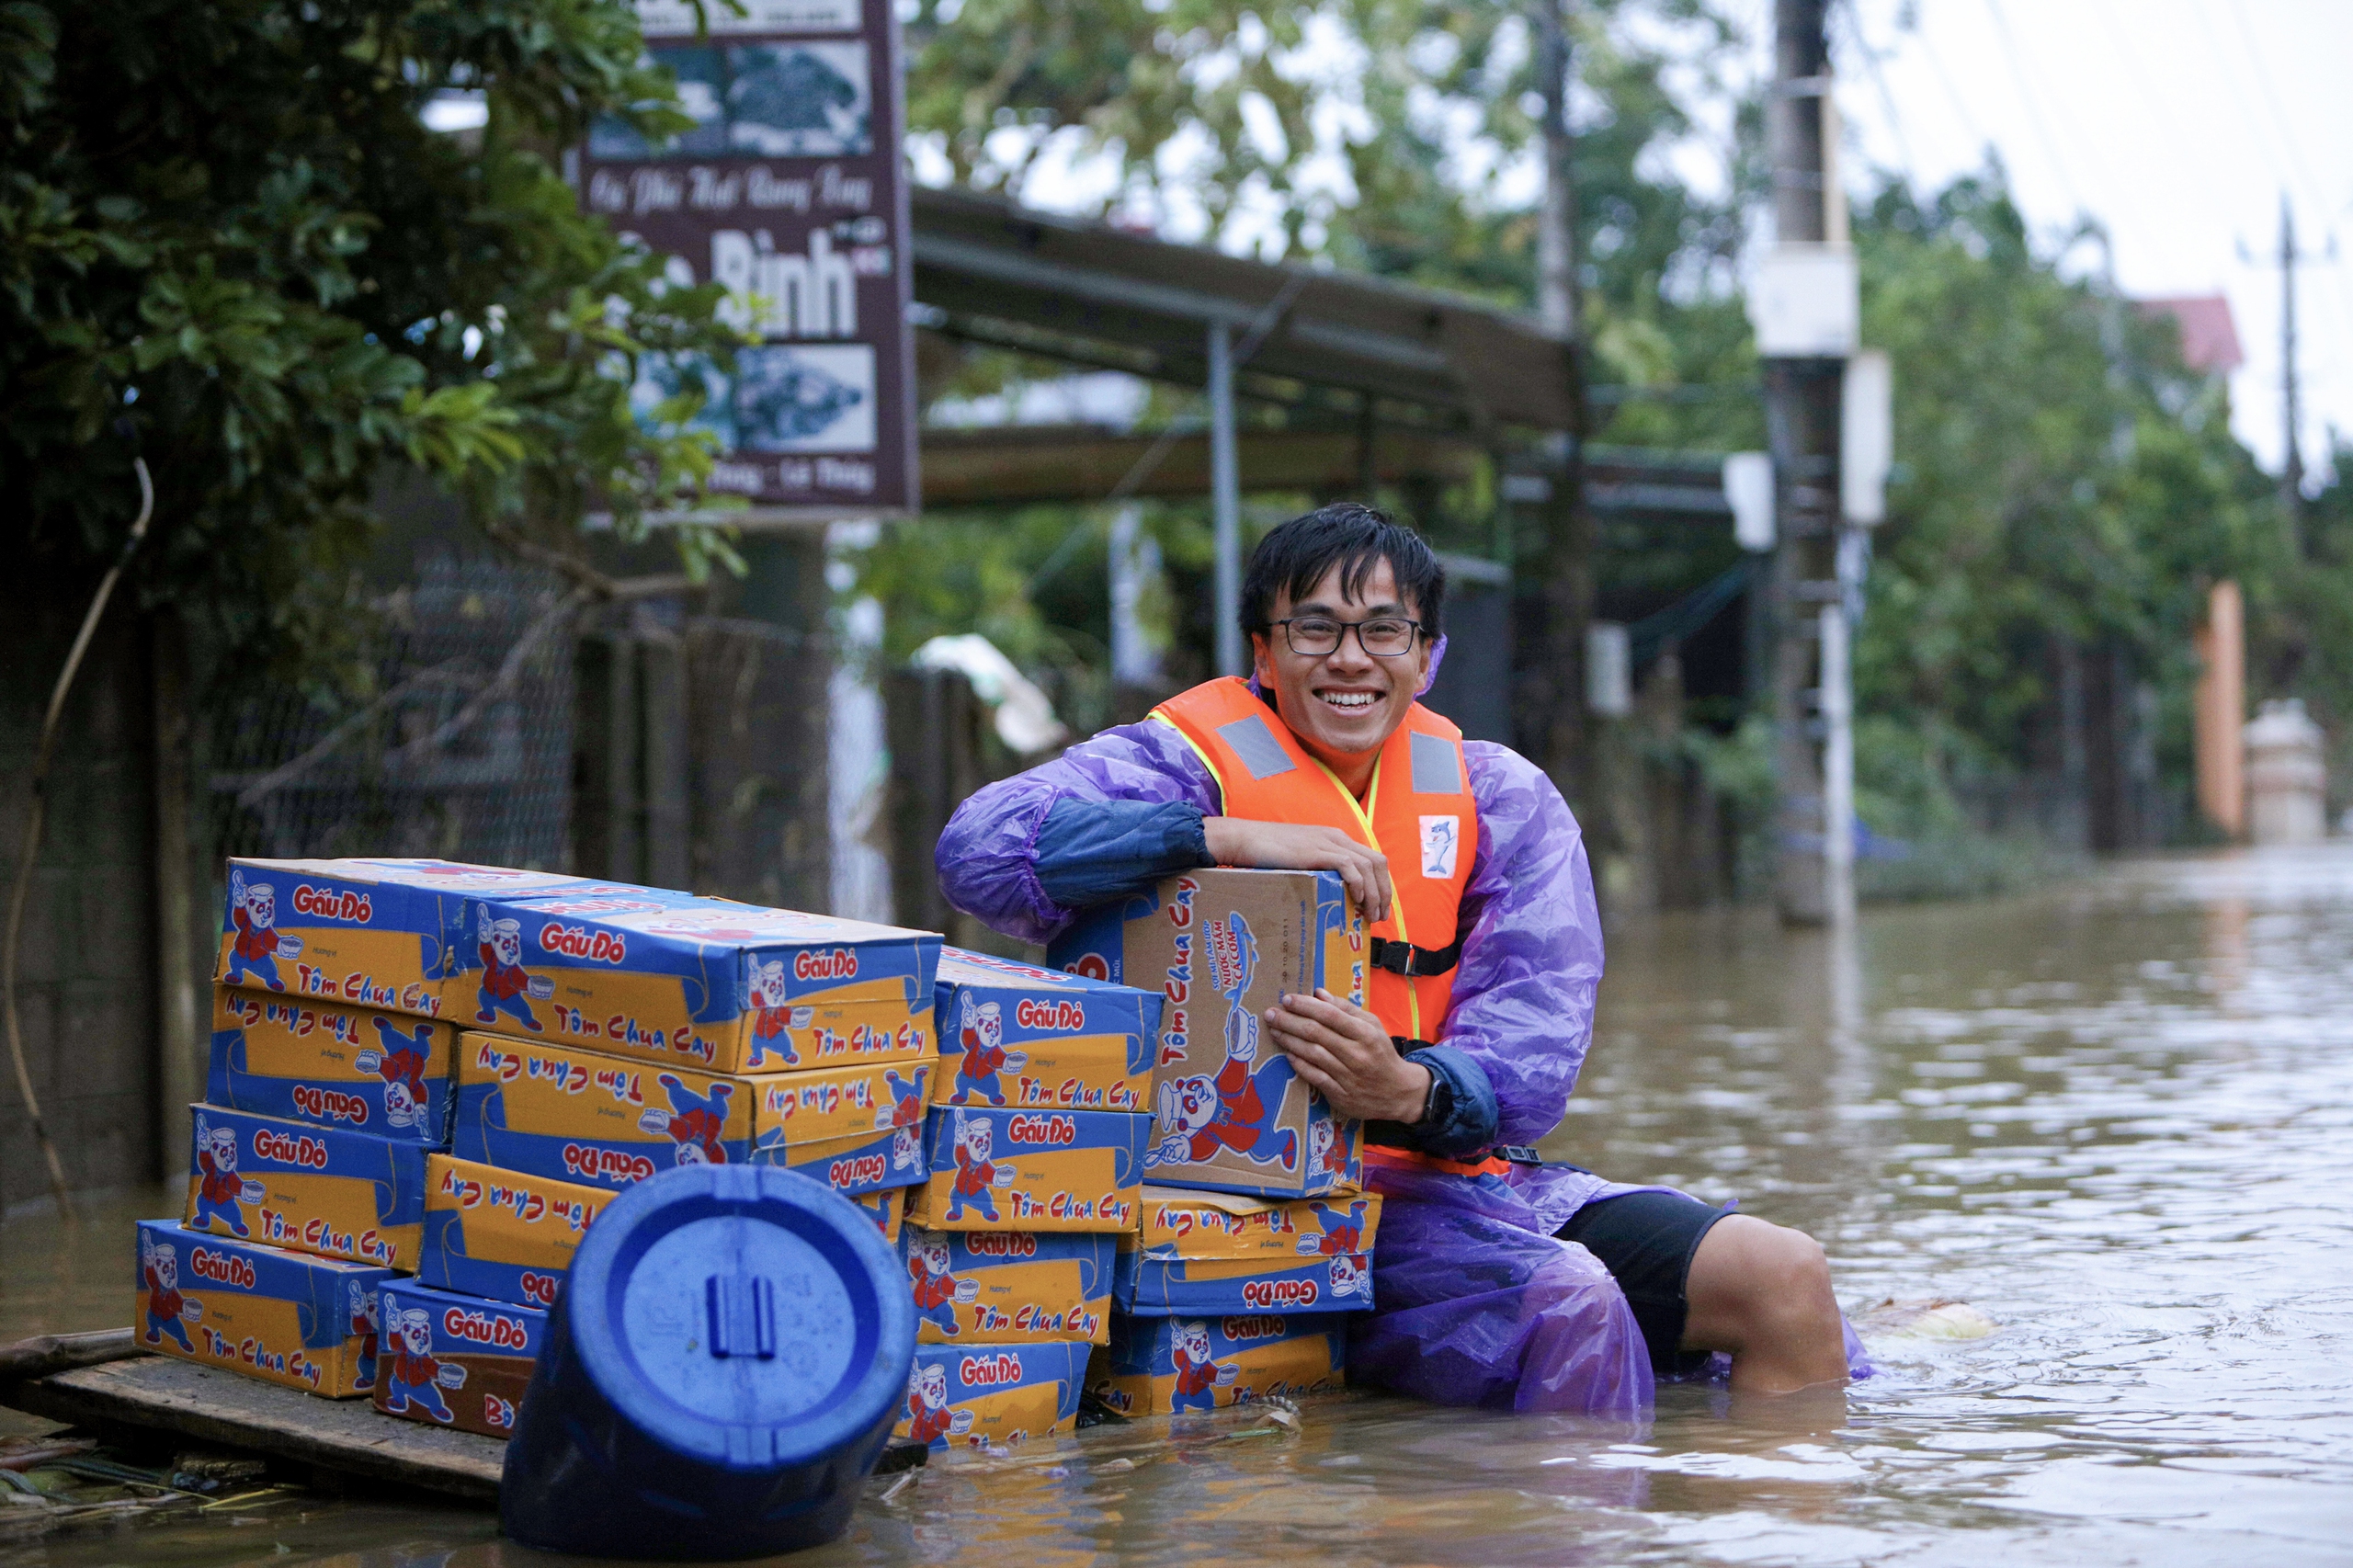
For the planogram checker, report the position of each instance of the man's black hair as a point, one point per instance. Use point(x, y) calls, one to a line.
point(1356, 538)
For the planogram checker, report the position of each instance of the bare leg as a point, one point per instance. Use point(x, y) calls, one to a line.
point(1762, 1293)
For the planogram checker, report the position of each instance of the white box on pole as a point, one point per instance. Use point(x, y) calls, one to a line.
point(1807, 303)
point(1866, 436)
point(1748, 490)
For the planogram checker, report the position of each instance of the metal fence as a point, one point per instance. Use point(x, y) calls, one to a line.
point(461, 749)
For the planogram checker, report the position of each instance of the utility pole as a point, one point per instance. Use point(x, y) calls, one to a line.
point(2291, 476)
point(1806, 328)
point(1562, 745)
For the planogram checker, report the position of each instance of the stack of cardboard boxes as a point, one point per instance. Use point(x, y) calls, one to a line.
point(1034, 1154)
point(1255, 1234)
point(557, 1038)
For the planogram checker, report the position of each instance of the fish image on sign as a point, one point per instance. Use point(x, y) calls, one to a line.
point(702, 94)
point(662, 377)
point(799, 398)
point(800, 100)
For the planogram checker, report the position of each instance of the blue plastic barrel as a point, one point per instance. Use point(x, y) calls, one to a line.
point(722, 1369)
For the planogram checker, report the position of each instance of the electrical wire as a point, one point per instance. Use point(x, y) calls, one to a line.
point(2034, 106)
point(30, 848)
point(2271, 96)
point(1853, 12)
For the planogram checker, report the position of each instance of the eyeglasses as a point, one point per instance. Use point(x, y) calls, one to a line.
point(1383, 637)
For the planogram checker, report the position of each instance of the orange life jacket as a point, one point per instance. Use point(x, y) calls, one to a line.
point(1418, 811)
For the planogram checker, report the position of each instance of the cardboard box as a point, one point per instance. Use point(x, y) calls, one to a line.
point(371, 933)
point(316, 1190)
point(455, 1360)
point(1226, 1226)
point(1008, 1287)
point(1012, 1034)
point(888, 1207)
point(1030, 1170)
point(992, 1396)
point(285, 1317)
point(1156, 1366)
point(573, 1115)
point(701, 982)
point(503, 1234)
point(332, 1065)
point(1152, 1287)
point(1222, 945)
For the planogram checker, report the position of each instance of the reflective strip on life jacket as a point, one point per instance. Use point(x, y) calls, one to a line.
point(1418, 810)
point(1410, 1159)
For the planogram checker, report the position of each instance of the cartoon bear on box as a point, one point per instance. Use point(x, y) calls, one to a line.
point(415, 1373)
point(976, 1174)
point(506, 987)
point(938, 1291)
point(219, 1189)
point(1198, 1377)
point(980, 1030)
point(929, 1417)
point(253, 910)
point(401, 1064)
point(159, 1266)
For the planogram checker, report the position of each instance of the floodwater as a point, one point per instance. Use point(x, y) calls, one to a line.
point(2116, 1117)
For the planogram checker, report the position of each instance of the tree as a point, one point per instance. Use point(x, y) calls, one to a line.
point(233, 246)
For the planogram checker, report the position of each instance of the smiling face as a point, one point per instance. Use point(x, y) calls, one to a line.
point(933, 1256)
point(506, 941)
point(166, 1262)
point(224, 1148)
point(928, 1387)
point(261, 903)
point(1344, 703)
point(977, 1138)
point(1193, 1339)
point(417, 1331)
point(767, 986)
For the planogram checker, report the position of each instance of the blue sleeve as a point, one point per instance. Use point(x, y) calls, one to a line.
point(1093, 851)
point(1463, 1120)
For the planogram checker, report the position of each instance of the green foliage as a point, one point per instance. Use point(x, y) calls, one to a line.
point(2064, 479)
point(232, 245)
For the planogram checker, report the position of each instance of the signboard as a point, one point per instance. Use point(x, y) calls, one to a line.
point(789, 190)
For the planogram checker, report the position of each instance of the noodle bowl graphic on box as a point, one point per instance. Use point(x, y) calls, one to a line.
point(1220, 946)
point(281, 1316)
point(316, 1189)
point(339, 1066)
point(1008, 1287)
point(570, 1115)
point(992, 1396)
point(1030, 1170)
point(1013, 1034)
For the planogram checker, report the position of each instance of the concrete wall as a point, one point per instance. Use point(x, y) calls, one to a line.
point(86, 988)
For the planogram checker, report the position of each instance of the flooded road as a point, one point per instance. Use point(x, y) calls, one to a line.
point(2117, 1118)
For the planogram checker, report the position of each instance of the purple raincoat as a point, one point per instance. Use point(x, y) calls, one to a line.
point(1478, 1303)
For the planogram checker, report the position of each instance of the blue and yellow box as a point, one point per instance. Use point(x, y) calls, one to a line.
point(285, 1317)
point(1221, 946)
point(1030, 1170)
point(992, 1396)
point(887, 1207)
point(316, 1190)
point(455, 1360)
point(573, 1115)
point(335, 1065)
point(370, 933)
point(698, 982)
point(1008, 1287)
point(1013, 1034)
point(1211, 1227)
point(1203, 1254)
point(1156, 1366)
point(503, 1234)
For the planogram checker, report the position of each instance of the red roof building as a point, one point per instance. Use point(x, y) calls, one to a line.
point(2210, 342)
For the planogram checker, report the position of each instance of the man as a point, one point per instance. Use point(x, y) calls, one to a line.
point(1498, 1282)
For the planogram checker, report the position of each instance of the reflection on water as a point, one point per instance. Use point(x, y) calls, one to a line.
point(2118, 1118)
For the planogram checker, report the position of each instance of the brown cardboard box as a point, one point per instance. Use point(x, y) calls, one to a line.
point(1220, 946)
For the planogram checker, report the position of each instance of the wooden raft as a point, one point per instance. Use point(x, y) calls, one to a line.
point(161, 1394)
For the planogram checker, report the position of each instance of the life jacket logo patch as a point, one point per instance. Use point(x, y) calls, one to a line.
point(1441, 838)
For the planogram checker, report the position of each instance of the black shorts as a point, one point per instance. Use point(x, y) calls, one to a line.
point(1646, 1241)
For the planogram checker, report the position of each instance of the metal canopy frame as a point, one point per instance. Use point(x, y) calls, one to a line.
point(994, 272)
